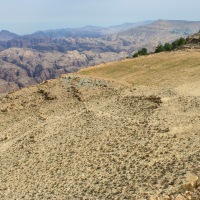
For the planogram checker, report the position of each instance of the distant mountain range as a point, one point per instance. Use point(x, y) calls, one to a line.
point(88, 31)
point(126, 37)
point(30, 59)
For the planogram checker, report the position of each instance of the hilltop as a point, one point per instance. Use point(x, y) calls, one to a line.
point(122, 130)
point(163, 69)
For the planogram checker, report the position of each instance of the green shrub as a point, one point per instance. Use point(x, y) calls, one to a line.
point(159, 48)
point(169, 47)
point(141, 52)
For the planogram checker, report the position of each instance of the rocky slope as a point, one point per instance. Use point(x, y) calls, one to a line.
point(193, 41)
point(160, 31)
point(132, 133)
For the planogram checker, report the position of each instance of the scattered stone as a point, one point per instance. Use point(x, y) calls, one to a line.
point(97, 147)
point(191, 182)
point(180, 197)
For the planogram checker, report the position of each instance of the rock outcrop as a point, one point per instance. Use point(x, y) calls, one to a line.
point(194, 39)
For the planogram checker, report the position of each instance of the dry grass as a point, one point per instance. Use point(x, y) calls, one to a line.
point(158, 69)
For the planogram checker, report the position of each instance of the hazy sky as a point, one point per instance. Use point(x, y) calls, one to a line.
point(26, 16)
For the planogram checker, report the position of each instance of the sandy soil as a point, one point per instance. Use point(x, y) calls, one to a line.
point(83, 138)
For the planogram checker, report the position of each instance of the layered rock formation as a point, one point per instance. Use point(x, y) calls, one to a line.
point(23, 67)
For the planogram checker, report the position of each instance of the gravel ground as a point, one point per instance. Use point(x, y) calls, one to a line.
point(84, 138)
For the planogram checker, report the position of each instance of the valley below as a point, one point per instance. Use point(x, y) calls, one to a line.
point(31, 59)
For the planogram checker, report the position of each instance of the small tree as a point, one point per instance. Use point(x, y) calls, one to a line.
point(182, 41)
point(159, 48)
point(141, 52)
point(167, 47)
point(175, 44)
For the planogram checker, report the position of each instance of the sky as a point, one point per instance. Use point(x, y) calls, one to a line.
point(28, 16)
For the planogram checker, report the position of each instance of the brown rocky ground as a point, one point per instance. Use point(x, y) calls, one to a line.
point(80, 137)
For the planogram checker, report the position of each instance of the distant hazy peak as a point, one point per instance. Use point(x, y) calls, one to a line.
point(7, 35)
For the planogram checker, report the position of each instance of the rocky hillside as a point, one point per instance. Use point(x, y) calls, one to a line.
point(193, 41)
point(52, 53)
point(160, 31)
point(124, 130)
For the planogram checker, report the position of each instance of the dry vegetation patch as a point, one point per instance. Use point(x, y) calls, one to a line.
point(154, 70)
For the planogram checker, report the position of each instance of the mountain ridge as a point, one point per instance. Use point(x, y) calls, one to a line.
point(7, 35)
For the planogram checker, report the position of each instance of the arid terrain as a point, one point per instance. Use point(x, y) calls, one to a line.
point(30, 59)
point(123, 130)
